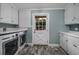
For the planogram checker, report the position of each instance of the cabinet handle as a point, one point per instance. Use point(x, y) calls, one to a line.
point(47, 41)
point(74, 45)
point(12, 21)
point(73, 18)
point(66, 40)
point(5, 38)
point(74, 3)
point(1, 18)
point(11, 7)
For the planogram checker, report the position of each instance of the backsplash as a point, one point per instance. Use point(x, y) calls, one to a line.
point(74, 27)
point(8, 25)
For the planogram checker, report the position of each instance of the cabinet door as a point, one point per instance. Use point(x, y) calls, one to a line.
point(70, 45)
point(76, 13)
point(73, 45)
point(75, 49)
point(65, 42)
point(61, 40)
point(14, 16)
point(6, 13)
point(25, 18)
point(69, 14)
point(72, 13)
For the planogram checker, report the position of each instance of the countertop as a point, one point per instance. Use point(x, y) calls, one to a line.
point(72, 33)
point(12, 30)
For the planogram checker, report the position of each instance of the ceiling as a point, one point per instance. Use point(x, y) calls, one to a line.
point(40, 5)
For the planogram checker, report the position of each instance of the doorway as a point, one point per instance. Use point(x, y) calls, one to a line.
point(40, 28)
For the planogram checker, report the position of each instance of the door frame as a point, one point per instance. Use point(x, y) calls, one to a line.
point(33, 26)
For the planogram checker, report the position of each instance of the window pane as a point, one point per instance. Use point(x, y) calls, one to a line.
point(40, 22)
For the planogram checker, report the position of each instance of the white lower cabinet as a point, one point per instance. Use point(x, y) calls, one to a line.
point(61, 40)
point(73, 45)
point(70, 44)
point(64, 41)
point(69, 47)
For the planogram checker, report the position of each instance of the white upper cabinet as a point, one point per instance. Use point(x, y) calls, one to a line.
point(5, 13)
point(8, 14)
point(76, 13)
point(72, 14)
point(24, 18)
point(14, 15)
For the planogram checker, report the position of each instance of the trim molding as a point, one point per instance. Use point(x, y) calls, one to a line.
point(54, 45)
point(29, 44)
point(47, 22)
point(49, 9)
point(43, 9)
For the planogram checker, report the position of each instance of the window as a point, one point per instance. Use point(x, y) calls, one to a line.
point(40, 22)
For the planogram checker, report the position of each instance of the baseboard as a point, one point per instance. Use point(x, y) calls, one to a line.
point(53, 45)
point(29, 44)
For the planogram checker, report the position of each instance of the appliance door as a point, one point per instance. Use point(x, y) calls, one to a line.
point(22, 39)
point(10, 47)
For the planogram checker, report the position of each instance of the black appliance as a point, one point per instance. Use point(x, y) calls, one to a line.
point(22, 39)
point(10, 47)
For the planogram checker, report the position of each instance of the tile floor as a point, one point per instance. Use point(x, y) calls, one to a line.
point(41, 50)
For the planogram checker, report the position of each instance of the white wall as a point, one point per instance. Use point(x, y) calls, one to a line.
point(24, 18)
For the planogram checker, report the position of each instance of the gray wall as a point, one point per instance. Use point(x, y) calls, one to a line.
point(56, 23)
point(29, 35)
